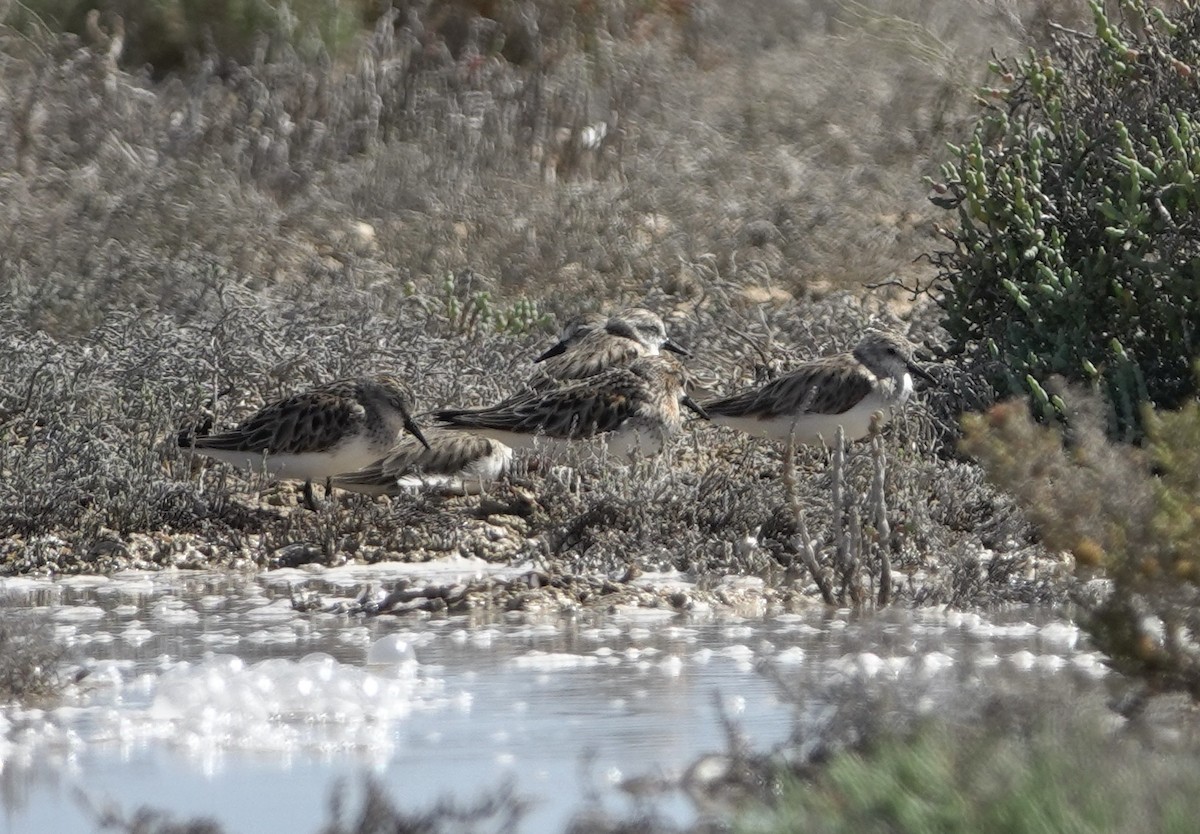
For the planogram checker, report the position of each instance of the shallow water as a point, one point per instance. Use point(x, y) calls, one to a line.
point(207, 694)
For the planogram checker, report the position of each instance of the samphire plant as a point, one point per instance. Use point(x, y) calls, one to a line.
point(1075, 229)
point(1134, 512)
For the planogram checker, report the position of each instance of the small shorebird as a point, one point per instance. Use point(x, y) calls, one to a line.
point(334, 428)
point(811, 401)
point(632, 409)
point(585, 349)
point(455, 463)
point(575, 329)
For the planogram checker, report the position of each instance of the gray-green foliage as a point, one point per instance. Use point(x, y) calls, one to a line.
point(945, 779)
point(1133, 512)
point(1076, 232)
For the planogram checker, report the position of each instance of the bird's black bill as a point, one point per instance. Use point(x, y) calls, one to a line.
point(917, 370)
point(674, 348)
point(561, 347)
point(415, 431)
point(694, 406)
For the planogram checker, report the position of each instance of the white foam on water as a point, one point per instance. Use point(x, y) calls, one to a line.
point(174, 612)
point(1091, 664)
point(671, 666)
point(131, 586)
point(223, 703)
point(280, 609)
point(635, 615)
point(536, 631)
point(283, 635)
point(1023, 659)
point(1060, 634)
point(933, 663)
point(801, 628)
point(554, 661)
point(962, 619)
point(135, 633)
point(687, 635)
point(599, 635)
point(392, 650)
point(79, 614)
point(24, 586)
point(84, 580)
point(354, 636)
point(736, 652)
point(792, 656)
point(1050, 662)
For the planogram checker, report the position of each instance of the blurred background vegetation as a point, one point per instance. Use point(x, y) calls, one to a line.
point(773, 150)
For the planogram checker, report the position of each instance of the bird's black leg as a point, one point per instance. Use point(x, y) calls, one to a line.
point(310, 500)
point(329, 490)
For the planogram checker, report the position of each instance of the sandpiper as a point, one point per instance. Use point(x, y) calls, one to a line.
point(454, 463)
point(810, 402)
point(586, 350)
point(334, 428)
point(630, 409)
point(575, 329)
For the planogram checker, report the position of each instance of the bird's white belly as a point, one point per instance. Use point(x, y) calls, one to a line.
point(348, 456)
point(809, 428)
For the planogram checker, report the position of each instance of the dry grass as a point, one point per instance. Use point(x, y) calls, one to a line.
point(783, 147)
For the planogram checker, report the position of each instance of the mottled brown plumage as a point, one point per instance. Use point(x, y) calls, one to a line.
point(810, 402)
point(641, 398)
point(587, 349)
point(454, 463)
point(324, 431)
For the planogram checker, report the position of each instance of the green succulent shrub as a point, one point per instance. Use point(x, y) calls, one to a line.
point(1076, 228)
point(1134, 512)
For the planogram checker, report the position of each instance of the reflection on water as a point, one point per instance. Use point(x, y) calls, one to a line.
point(207, 694)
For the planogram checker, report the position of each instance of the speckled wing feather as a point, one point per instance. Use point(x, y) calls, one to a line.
point(573, 412)
point(449, 454)
point(831, 385)
point(310, 422)
point(593, 355)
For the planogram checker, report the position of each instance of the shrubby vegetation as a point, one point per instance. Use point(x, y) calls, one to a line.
point(948, 778)
point(1077, 216)
point(1076, 260)
point(1135, 513)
